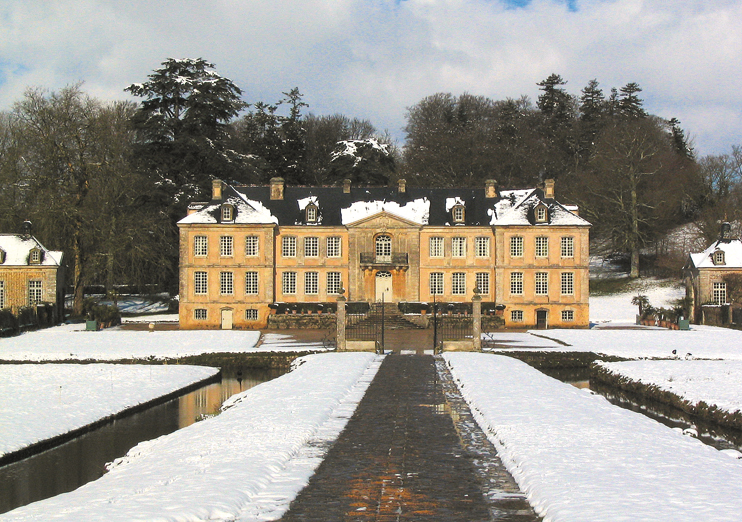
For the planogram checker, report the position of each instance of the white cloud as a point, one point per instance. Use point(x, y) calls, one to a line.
point(374, 59)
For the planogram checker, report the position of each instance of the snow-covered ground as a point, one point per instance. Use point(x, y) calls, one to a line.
point(247, 463)
point(713, 382)
point(40, 401)
point(72, 342)
point(618, 307)
point(579, 458)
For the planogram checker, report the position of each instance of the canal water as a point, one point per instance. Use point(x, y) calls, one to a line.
point(74, 463)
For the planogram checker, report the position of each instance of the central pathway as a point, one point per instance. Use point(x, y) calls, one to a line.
point(402, 457)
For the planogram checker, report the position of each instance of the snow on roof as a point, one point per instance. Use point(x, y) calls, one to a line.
point(417, 211)
point(515, 205)
point(732, 255)
point(247, 211)
point(453, 202)
point(304, 202)
point(17, 249)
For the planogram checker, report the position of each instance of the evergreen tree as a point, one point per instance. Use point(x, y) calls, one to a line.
point(555, 103)
point(679, 141)
point(629, 104)
point(364, 162)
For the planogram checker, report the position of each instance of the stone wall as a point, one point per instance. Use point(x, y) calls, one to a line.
point(306, 321)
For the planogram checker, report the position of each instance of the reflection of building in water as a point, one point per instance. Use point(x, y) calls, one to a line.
point(208, 400)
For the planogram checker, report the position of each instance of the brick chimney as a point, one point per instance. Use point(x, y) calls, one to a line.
point(402, 186)
point(490, 188)
point(346, 186)
point(276, 188)
point(217, 186)
point(549, 189)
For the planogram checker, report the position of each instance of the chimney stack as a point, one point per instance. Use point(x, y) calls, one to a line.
point(726, 231)
point(276, 188)
point(549, 189)
point(346, 186)
point(216, 189)
point(402, 186)
point(490, 188)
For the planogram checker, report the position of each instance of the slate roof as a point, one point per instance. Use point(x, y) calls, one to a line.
point(18, 247)
point(425, 206)
point(732, 249)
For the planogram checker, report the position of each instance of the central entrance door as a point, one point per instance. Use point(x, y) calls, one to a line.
point(227, 319)
point(384, 287)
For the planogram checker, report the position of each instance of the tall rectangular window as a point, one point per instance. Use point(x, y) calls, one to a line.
point(436, 283)
point(719, 293)
point(542, 283)
point(200, 283)
point(482, 247)
point(311, 283)
point(226, 283)
point(542, 246)
point(288, 246)
point(458, 247)
point(311, 247)
point(200, 246)
point(2, 295)
point(436, 247)
point(568, 283)
point(516, 283)
point(34, 292)
point(334, 245)
point(252, 246)
point(458, 283)
point(333, 283)
point(226, 246)
point(483, 282)
point(568, 246)
point(251, 283)
point(516, 246)
point(288, 283)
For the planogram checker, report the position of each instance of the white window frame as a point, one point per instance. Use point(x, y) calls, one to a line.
point(252, 246)
point(436, 283)
point(458, 214)
point(200, 314)
point(568, 316)
point(288, 283)
point(458, 283)
point(226, 246)
point(383, 244)
point(542, 246)
point(541, 283)
point(482, 246)
point(516, 316)
point(568, 246)
point(516, 283)
point(35, 291)
point(311, 213)
point(311, 283)
point(719, 258)
point(200, 283)
point(334, 246)
point(2, 295)
point(227, 213)
point(251, 283)
point(516, 246)
point(458, 246)
point(483, 282)
point(226, 283)
point(334, 283)
point(288, 246)
point(251, 314)
point(568, 283)
point(35, 257)
point(719, 292)
point(437, 246)
point(541, 214)
point(311, 246)
point(200, 246)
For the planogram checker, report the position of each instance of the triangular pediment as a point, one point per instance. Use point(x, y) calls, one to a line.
point(384, 220)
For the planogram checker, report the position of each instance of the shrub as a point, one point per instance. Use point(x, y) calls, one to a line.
point(8, 322)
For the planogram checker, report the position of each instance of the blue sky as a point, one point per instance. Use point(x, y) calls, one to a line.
point(374, 58)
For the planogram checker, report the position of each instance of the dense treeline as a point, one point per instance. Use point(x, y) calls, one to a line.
point(106, 182)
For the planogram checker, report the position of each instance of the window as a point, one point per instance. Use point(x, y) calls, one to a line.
point(226, 244)
point(568, 246)
point(542, 246)
point(540, 214)
point(516, 246)
point(482, 247)
point(568, 283)
point(288, 246)
point(251, 283)
point(719, 293)
point(199, 314)
point(251, 246)
point(516, 283)
point(568, 315)
point(227, 213)
point(251, 314)
point(200, 283)
point(288, 282)
point(436, 247)
point(226, 283)
point(2, 295)
point(458, 247)
point(483, 282)
point(34, 292)
point(35, 257)
point(719, 257)
point(516, 316)
point(458, 283)
point(200, 246)
point(436, 283)
point(458, 214)
point(383, 249)
point(311, 247)
point(542, 283)
point(311, 283)
point(333, 282)
point(334, 247)
point(2, 256)
point(311, 216)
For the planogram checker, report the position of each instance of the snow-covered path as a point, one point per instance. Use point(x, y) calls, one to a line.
point(579, 458)
point(40, 401)
point(247, 463)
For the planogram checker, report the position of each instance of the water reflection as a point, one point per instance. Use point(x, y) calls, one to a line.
point(70, 465)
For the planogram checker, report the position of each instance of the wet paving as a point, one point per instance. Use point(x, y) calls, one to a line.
point(411, 451)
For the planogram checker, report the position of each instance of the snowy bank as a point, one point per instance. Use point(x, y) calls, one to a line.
point(247, 463)
point(41, 401)
point(618, 307)
point(579, 458)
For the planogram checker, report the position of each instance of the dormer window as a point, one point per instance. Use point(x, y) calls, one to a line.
point(718, 258)
point(2, 256)
point(458, 214)
point(540, 214)
point(34, 258)
point(227, 213)
point(311, 213)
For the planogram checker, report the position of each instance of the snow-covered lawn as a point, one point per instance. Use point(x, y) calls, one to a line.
point(618, 307)
point(247, 463)
point(713, 382)
point(579, 458)
point(40, 401)
point(71, 342)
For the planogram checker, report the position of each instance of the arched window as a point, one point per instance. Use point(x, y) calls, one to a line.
point(383, 249)
point(311, 213)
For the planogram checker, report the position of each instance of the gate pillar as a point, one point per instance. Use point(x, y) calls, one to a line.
point(341, 345)
point(476, 320)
